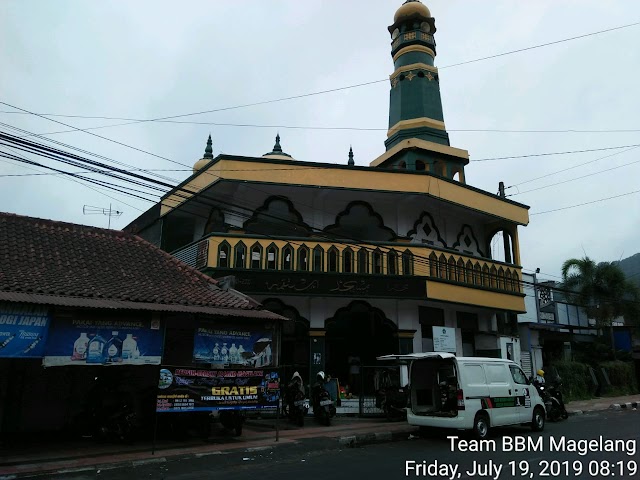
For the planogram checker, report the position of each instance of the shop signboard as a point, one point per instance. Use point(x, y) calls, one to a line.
point(23, 331)
point(444, 339)
point(234, 346)
point(185, 389)
point(104, 342)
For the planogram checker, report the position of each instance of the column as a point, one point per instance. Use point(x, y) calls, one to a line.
point(316, 352)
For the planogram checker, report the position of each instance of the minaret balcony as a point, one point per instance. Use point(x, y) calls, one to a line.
point(415, 37)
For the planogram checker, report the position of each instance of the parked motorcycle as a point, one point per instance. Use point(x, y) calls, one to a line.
point(233, 420)
point(552, 398)
point(323, 408)
point(118, 425)
point(294, 405)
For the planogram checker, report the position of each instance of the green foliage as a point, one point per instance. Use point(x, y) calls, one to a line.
point(576, 381)
point(622, 377)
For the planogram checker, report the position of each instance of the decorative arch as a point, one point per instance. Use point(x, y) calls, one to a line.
point(272, 257)
point(255, 261)
point(363, 260)
point(333, 260)
point(392, 262)
point(425, 231)
point(461, 271)
point(501, 285)
point(442, 264)
point(360, 221)
point(318, 259)
point(407, 262)
point(277, 216)
point(377, 265)
point(433, 264)
point(466, 242)
point(224, 254)
point(304, 259)
point(469, 272)
point(477, 274)
point(494, 277)
point(240, 256)
point(453, 274)
point(347, 260)
point(287, 257)
point(486, 277)
point(498, 248)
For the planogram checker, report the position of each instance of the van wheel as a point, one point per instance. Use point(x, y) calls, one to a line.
point(481, 426)
point(537, 422)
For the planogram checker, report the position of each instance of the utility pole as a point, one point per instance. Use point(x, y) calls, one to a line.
point(89, 210)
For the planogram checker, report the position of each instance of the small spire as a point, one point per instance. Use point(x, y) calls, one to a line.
point(208, 152)
point(351, 162)
point(277, 147)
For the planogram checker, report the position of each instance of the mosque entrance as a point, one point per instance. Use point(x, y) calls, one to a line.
point(355, 334)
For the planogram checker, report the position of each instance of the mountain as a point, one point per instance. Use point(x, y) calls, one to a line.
point(631, 268)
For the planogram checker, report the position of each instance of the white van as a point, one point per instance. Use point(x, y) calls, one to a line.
point(469, 393)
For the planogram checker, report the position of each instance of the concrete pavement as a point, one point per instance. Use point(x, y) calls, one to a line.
point(257, 435)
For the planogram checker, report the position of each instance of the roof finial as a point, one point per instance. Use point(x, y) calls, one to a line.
point(277, 147)
point(208, 152)
point(351, 162)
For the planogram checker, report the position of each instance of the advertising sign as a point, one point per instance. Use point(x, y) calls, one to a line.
point(104, 342)
point(23, 331)
point(444, 339)
point(235, 346)
point(193, 390)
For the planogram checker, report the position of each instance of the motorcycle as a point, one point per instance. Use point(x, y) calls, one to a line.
point(295, 406)
point(552, 398)
point(118, 425)
point(393, 401)
point(323, 408)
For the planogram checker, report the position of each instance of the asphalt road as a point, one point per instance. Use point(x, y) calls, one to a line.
point(313, 460)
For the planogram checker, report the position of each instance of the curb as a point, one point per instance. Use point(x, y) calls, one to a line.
point(629, 405)
point(353, 441)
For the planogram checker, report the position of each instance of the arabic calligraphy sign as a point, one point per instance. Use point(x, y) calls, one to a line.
point(305, 283)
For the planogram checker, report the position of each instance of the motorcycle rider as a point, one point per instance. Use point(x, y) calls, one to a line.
point(540, 377)
point(296, 383)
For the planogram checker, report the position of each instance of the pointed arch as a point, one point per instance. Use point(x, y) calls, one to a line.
point(318, 259)
point(494, 277)
point(407, 262)
point(508, 284)
point(477, 274)
point(363, 260)
point(360, 221)
point(303, 258)
point(442, 264)
point(333, 257)
point(347, 260)
point(256, 256)
point(425, 231)
point(469, 272)
point(461, 273)
point(467, 243)
point(378, 268)
point(452, 273)
point(392, 262)
point(501, 285)
point(224, 254)
point(272, 257)
point(287, 257)
point(277, 216)
point(433, 264)
point(240, 256)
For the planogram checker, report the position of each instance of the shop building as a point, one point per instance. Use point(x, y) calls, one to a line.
point(87, 313)
point(393, 257)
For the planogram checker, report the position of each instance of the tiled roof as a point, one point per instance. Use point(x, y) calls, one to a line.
point(45, 260)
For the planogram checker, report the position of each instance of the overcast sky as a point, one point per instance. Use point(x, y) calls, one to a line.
point(151, 59)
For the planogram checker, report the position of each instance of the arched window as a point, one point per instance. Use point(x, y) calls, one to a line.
point(377, 262)
point(363, 261)
point(477, 274)
point(287, 258)
point(223, 255)
point(469, 272)
point(256, 256)
point(453, 274)
point(433, 264)
point(442, 266)
point(515, 282)
point(332, 259)
point(494, 277)
point(507, 284)
point(486, 277)
point(240, 255)
point(318, 259)
point(347, 260)
point(407, 263)
point(420, 166)
point(303, 258)
point(392, 263)
point(501, 279)
point(272, 257)
point(461, 273)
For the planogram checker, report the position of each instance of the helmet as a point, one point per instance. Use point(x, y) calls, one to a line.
point(321, 375)
point(296, 375)
point(540, 372)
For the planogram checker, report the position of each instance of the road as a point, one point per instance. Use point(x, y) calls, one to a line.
point(310, 461)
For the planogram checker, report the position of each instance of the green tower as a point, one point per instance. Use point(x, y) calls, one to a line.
point(417, 138)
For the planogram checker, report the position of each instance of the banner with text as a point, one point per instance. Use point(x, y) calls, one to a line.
point(240, 346)
point(104, 342)
point(23, 331)
point(193, 390)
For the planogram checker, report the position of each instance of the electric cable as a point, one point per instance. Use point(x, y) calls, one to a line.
point(586, 203)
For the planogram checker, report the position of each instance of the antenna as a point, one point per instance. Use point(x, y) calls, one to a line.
point(89, 210)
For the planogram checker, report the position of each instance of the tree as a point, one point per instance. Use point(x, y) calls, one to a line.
point(603, 291)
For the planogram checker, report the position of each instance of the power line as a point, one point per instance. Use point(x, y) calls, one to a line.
point(332, 90)
point(586, 203)
point(574, 179)
point(556, 153)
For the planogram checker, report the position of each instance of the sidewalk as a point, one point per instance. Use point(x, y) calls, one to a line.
point(258, 434)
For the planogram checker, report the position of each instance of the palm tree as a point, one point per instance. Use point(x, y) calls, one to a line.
point(602, 290)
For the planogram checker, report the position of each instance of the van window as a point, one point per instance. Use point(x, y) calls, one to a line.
point(518, 375)
point(496, 374)
point(475, 375)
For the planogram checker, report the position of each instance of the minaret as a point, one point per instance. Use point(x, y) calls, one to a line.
point(277, 153)
point(351, 163)
point(207, 157)
point(417, 138)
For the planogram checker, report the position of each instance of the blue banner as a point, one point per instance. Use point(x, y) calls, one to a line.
point(234, 346)
point(104, 342)
point(23, 331)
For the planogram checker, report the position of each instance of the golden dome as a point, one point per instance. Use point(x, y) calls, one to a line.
point(410, 8)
